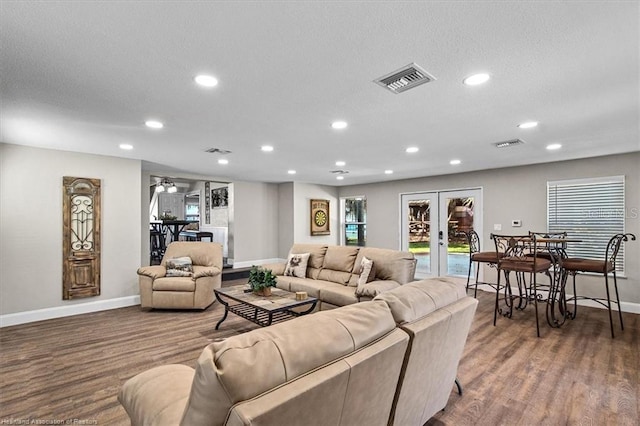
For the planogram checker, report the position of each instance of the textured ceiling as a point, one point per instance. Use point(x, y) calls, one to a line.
point(84, 76)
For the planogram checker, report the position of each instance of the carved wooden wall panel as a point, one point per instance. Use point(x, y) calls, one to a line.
point(81, 237)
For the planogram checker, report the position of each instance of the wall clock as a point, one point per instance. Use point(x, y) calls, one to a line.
point(320, 217)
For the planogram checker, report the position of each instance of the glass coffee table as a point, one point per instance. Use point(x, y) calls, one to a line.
point(262, 310)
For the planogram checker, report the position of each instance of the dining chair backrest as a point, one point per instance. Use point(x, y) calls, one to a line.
point(521, 248)
point(474, 241)
point(613, 247)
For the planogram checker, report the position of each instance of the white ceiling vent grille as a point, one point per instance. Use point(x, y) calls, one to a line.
point(218, 151)
point(404, 79)
point(509, 143)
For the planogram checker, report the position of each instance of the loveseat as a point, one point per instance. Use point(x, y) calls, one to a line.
point(333, 274)
point(193, 290)
point(392, 360)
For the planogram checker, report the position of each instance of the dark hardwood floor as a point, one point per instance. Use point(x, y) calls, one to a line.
point(72, 368)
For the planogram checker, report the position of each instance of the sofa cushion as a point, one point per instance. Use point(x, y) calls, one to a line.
point(392, 265)
point(179, 267)
point(338, 295)
point(316, 251)
point(297, 265)
point(174, 284)
point(312, 287)
point(338, 264)
point(243, 366)
point(419, 298)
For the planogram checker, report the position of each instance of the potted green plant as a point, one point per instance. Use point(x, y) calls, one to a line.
point(261, 280)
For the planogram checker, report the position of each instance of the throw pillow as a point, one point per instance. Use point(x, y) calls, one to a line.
point(297, 265)
point(367, 272)
point(179, 267)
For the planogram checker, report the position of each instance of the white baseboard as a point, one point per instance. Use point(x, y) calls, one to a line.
point(632, 308)
point(250, 263)
point(65, 311)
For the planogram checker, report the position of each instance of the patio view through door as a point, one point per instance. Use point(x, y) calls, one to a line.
point(432, 226)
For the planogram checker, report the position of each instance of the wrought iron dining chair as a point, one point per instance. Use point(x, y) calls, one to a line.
point(605, 266)
point(476, 256)
point(520, 255)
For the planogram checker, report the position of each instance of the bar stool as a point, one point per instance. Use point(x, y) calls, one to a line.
point(606, 266)
point(157, 246)
point(477, 256)
point(519, 254)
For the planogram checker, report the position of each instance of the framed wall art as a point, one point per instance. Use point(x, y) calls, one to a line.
point(320, 217)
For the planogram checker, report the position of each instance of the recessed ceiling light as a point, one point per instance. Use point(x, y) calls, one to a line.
point(412, 149)
point(454, 162)
point(291, 172)
point(223, 161)
point(554, 146)
point(154, 124)
point(266, 148)
point(476, 79)
point(339, 124)
point(528, 124)
point(206, 80)
point(388, 172)
point(126, 146)
point(340, 163)
point(339, 177)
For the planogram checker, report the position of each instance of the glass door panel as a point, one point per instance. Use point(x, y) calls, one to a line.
point(418, 214)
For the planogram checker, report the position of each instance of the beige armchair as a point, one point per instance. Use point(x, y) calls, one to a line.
point(157, 290)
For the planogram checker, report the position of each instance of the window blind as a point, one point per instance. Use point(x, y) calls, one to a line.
point(591, 210)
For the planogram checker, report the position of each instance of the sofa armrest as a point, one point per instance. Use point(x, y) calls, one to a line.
point(157, 396)
point(155, 271)
point(205, 271)
point(276, 268)
point(374, 288)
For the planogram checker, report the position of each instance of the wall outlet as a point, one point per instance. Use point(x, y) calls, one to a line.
point(516, 223)
point(497, 227)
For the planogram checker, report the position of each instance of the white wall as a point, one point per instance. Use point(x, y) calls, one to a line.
point(253, 222)
point(31, 229)
point(512, 193)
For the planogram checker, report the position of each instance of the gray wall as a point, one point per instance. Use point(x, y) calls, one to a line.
point(31, 225)
point(511, 193)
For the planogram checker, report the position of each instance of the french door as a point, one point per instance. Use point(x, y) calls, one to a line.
point(432, 227)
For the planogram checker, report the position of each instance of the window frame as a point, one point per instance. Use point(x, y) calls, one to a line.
point(583, 209)
point(343, 218)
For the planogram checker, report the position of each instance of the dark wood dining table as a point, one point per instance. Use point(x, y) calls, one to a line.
point(172, 228)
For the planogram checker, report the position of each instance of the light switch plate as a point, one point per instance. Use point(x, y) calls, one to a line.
point(497, 227)
point(516, 223)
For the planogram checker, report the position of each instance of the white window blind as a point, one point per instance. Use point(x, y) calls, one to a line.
point(591, 210)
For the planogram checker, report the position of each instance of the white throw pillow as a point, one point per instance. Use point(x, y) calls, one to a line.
point(367, 274)
point(179, 267)
point(297, 265)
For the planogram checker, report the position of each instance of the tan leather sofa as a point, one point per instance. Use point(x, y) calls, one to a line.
point(157, 290)
point(347, 366)
point(333, 272)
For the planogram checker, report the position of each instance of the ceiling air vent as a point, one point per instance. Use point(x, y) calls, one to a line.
point(218, 151)
point(339, 172)
point(404, 79)
point(507, 144)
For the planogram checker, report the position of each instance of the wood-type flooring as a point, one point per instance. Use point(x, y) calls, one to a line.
point(69, 370)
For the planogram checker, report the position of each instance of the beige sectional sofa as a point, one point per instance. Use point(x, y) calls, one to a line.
point(333, 271)
point(392, 360)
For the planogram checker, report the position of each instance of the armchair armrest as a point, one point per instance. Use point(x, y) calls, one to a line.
point(374, 288)
point(153, 272)
point(205, 271)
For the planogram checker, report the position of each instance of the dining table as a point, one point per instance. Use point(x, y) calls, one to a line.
point(172, 227)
